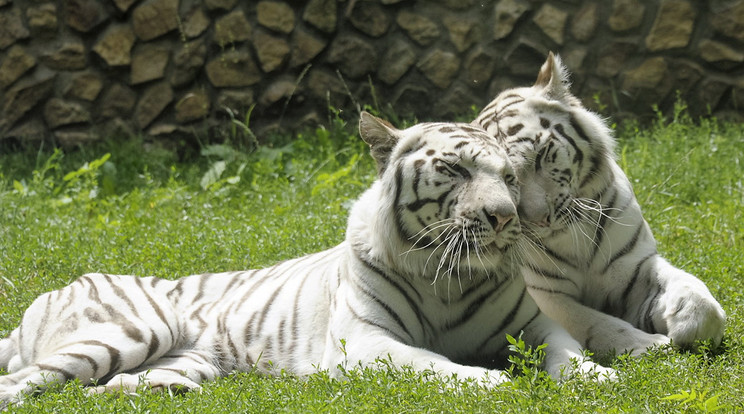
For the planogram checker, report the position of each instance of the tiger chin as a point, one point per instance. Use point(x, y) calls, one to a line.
point(424, 278)
point(592, 262)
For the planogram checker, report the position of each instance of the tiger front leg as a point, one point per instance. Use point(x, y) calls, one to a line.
point(684, 309)
point(600, 332)
point(564, 355)
point(178, 371)
point(371, 347)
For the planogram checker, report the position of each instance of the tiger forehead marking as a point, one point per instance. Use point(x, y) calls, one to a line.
point(466, 137)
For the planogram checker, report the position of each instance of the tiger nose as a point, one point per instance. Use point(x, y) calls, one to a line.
point(498, 221)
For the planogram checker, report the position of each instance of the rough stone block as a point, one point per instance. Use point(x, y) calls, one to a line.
point(16, 63)
point(396, 61)
point(58, 112)
point(70, 55)
point(220, 4)
point(195, 22)
point(354, 56)
point(272, 51)
point(463, 32)
point(124, 5)
point(673, 25)
point(118, 101)
point(75, 138)
point(646, 76)
point(421, 29)
point(84, 86)
point(233, 68)
point(278, 90)
point(155, 18)
point(148, 63)
point(729, 20)
point(12, 28)
point(231, 28)
point(369, 18)
point(552, 21)
point(237, 100)
point(440, 67)
point(115, 45)
point(152, 103)
point(25, 95)
point(305, 47)
point(32, 130)
point(84, 15)
point(42, 18)
point(188, 61)
point(626, 15)
point(584, 22)
point(611, 60)
point(506, 15)
point(479, 66)
point(712, 51)
point(321, 14)
point(276, 16)
point(192, 106)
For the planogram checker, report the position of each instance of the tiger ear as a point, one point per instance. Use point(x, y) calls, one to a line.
point(381, 137)
point(553, 78)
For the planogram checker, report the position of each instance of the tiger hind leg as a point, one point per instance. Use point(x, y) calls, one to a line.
point(177, 371)
point(83, 360)
point(9, 355)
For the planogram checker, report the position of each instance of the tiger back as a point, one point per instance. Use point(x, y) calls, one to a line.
point(425, 278)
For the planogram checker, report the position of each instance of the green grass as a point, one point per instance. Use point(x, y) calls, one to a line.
point(146, 213)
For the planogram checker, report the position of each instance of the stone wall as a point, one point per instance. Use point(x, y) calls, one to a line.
point(74, 70)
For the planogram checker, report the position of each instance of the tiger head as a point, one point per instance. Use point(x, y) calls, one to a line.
point(562, 152)
point(445, 202)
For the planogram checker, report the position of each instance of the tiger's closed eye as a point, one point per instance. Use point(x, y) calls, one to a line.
point(456, 168)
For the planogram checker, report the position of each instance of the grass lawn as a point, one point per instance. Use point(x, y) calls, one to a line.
point(146, 213)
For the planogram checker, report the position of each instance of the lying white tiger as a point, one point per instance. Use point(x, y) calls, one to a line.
point(443, 208)
point(594, 266)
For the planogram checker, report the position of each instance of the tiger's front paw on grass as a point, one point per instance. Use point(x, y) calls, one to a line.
point(649, 343)
point(692, 316)
point(130, 384)
point(595, 372)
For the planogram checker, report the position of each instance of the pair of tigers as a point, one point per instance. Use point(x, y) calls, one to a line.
point(521, 222)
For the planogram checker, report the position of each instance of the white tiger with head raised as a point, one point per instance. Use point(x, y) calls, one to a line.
point(594, 266)
point(443, 210)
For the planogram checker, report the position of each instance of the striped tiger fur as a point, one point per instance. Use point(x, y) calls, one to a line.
point(424, 277)
point(593, 265)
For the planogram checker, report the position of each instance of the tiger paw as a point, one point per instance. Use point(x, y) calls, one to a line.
point(592, 371)
point(156, 381)
point(692, 315)
point(649, 342)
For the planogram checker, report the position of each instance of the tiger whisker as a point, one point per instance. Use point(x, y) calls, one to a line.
point(432, 226)
point(467, 251)
point(478, 251)
point(413, 246)
point(535, 242)
point(596, 206)
point(426, 264)
point(447, 253)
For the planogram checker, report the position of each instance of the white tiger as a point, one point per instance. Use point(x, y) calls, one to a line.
point(594, 266)
point(443, 211)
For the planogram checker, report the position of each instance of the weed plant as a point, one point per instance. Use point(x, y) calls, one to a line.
point(116, 208)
